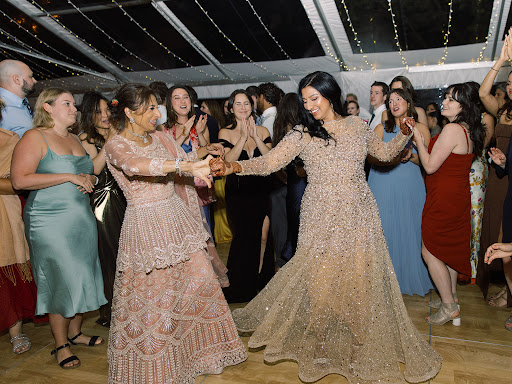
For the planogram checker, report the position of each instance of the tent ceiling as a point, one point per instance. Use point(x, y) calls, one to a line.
point(208, 43)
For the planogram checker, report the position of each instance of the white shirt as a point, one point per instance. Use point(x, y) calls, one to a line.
point(267, 119)
point(378, 116)
point(364, 114)
point(163, 114)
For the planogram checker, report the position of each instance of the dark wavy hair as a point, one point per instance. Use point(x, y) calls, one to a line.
point(90, 108)
point(287, 116)
point(270, 92)
point(327, 86)
point(407, 85)
point(172, 116)
point(507, 107)
point(215, 111)
point(231, 101)
point(465, 95)
point(436, 113)
point(132, 96)
point(389, 124)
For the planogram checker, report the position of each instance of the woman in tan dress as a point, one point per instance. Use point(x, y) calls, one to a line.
point(335, 307)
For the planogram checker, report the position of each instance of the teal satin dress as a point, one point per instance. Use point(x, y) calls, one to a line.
point(63, 240)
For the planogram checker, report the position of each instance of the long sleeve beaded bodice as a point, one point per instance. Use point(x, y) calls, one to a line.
point(159, 229)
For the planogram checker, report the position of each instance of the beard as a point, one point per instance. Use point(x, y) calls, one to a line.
point(27, 89)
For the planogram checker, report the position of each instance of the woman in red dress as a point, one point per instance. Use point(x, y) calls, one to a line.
point(446, 224)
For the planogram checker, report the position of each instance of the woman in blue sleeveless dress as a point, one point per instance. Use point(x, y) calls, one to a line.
point(399, 190)
point(59, 224)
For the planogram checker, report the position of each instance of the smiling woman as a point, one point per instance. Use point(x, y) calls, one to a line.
point(59, 224)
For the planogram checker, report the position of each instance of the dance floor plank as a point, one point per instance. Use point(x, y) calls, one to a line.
point(478, 352)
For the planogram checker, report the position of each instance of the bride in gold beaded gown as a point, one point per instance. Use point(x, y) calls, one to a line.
point(335, 307)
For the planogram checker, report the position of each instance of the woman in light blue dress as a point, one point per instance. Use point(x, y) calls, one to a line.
point(399, 190)
point(59, 224)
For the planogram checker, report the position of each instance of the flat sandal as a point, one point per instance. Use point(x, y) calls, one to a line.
point(66, 360)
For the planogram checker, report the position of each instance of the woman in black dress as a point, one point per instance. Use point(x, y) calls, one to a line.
point(296, 179)
point(247, 203)
point(107, 199)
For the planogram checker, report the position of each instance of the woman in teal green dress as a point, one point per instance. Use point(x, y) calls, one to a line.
point(59, 224)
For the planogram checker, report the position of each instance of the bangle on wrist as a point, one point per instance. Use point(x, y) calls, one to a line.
point(177, 168)
point(494, 69)
point(97, 180)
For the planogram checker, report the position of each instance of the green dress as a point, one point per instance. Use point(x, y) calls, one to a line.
point(63, 240)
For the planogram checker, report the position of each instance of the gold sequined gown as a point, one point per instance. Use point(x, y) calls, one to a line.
point(170, 321)
point(336, 307)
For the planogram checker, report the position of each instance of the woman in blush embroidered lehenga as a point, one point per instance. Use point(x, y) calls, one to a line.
point(335, 307)
point(170, 321)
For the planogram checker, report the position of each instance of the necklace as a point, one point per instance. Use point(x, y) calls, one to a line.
point(331, 122)
point(144, 137)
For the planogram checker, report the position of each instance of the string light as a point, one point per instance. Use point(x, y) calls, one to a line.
point(125, 13)
point(372, 66)
point(390, 9)
point(29, 48)
point(273, 38)
point(110, 59)
point(119, 44)
point(446, 36)
point(234, 45)
point(491, 31)
point(323, 41)
point(41, 41)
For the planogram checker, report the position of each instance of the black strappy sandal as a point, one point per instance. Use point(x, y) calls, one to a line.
point(66, 360)
point(92, 341)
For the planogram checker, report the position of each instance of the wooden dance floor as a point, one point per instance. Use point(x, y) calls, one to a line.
point(478, 352)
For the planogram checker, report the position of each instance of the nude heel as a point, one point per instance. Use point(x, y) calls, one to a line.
point(447, 312)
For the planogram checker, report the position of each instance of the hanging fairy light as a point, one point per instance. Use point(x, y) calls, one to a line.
point(273, 38)
point(110, 59)
point(12, 20)
point(118, 43)
point(397, 41)
point(372, 66)
point(490, 33)
point(125, 13)
point(327, 47)
point(262, 67)
point(447, 36)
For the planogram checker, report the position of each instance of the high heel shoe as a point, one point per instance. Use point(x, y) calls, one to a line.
point(447, 312)
point(437, 302)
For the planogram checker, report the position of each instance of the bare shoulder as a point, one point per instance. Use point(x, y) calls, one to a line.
point(262, 131)
point(225, 133)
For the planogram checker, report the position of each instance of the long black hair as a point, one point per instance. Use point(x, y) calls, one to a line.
point(327, 86)
point(132, 96)
point(389, 124)
point(466, 94)
point(287, 116)
point(89, 109)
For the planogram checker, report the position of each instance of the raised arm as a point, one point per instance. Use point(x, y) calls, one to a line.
point(489, 101)
point(277, 158)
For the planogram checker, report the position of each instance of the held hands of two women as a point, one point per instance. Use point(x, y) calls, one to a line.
point(498, 157)
point(201, 169)
point(220, 167)
point(498, 251)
